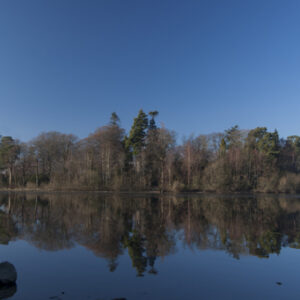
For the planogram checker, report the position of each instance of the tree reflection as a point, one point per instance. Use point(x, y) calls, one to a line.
point(148, 228)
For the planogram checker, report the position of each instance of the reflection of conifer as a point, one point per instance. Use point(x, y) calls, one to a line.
point(135, 247)
point(151, 260)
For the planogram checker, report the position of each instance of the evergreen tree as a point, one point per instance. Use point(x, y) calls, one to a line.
point(152, 124)
point(233, 137)
point(114, 119)
point(137, 135)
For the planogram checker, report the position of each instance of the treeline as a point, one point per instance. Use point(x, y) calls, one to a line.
point(148, 158)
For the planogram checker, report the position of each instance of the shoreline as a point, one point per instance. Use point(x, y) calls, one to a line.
point(146, 192)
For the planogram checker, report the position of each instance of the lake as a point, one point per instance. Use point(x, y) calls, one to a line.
point(134, 246)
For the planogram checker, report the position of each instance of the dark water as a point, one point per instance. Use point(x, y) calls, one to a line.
point(95, 246)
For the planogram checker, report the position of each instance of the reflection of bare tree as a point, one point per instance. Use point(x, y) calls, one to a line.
point(8, 230)
point(149, 226)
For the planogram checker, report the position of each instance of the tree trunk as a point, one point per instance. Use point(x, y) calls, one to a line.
point(37, 174)
point(9, 176)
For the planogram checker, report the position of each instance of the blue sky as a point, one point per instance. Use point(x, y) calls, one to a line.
point(65, 65)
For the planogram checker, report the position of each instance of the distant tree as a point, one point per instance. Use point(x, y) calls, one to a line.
point(137, 135)
point(9, 151)
point(114, 119)
point(233, 137)
point(261, 140)
point(106, 154)
point(291, 153)
point(151, 155)
point(222, 149)
point(152, 124)
point(53, 150)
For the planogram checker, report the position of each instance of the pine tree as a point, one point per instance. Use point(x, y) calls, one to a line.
point(152, 124)
point(114, 119)
point(137, 135)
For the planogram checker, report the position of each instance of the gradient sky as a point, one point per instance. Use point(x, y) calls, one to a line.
point(65, 65)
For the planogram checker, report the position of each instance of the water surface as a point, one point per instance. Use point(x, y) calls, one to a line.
point(104, 246)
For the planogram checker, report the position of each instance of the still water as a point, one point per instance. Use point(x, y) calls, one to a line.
point(105, 246)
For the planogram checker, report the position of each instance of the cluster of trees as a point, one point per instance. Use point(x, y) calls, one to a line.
point(148, 227)
point(148, 158)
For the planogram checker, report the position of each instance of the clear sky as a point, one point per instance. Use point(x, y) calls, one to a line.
point(65, 65)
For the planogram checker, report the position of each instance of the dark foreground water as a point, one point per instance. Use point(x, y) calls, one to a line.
point(96, 246)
